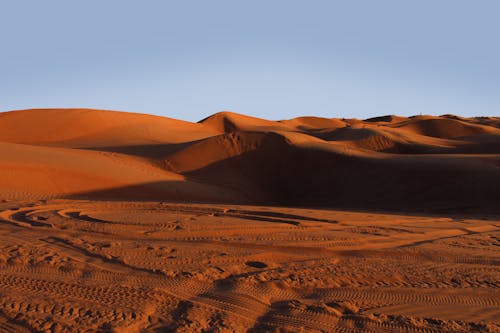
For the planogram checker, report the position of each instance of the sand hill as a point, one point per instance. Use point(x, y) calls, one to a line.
point(388, 162)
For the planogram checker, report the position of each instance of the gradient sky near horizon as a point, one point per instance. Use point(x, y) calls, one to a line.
point(270, 59)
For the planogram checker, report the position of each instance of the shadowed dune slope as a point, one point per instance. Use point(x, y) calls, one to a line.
point(388, 162)
point(270, 168)
point(386, 119)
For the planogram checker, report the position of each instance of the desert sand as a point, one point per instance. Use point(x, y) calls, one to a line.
point(124, 222)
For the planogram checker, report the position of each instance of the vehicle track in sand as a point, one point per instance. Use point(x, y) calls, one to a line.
point(147, 266)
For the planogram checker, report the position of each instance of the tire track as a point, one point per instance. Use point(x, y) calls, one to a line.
point(405, 296)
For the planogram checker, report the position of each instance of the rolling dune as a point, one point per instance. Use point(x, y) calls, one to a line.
point(421, 162)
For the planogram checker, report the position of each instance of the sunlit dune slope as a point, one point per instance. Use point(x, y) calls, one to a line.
point(91, 128)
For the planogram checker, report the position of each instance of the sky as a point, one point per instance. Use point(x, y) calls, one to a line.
point(272, 59)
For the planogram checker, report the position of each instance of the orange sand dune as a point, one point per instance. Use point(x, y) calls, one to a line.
point(91, 128)
point(447, 128)
point(34, 172)
point(231, 122)
point(314, 123)
point(390, 162)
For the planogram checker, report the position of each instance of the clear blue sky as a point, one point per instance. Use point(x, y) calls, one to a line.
point(271, 59)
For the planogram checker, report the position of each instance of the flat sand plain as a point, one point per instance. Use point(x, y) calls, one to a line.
point(101, 266)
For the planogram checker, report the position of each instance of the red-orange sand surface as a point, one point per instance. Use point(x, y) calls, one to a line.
point(121, 222)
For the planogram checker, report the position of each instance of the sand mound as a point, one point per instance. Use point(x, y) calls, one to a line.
point(95, 128)
point(366, 138)
point(313, 123)
point(386, 139)
point(386, 119)
point(222, 147)
point(240, 160)
point(316, 173)
point(36, 172)
point(488, 121)
point(389, 162)
point(231, 122)
point(446, 128)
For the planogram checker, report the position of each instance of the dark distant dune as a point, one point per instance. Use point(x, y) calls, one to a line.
point(386, 119)
point(389, 162)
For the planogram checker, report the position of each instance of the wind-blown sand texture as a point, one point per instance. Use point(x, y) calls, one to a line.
point(121, 222)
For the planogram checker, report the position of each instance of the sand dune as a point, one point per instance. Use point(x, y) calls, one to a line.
point(30, 172)
point(446, 128)
point(232, 122)
point(390, 162)
point(94, 128)
point(314, 123)
point(121, 222)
